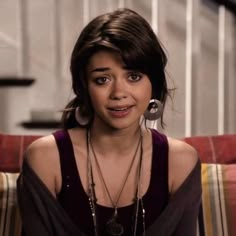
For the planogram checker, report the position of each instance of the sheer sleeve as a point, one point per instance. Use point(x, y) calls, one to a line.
point(187, 225)
point(180, 215)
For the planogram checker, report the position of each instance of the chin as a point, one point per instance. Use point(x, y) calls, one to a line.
point(119, 125)
point(116, 123)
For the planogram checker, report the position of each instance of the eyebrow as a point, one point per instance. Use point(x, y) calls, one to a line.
point(100, 69)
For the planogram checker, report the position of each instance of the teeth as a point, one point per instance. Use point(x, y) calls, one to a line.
point(120, 109)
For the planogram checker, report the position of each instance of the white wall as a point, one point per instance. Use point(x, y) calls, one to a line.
point(36, 39)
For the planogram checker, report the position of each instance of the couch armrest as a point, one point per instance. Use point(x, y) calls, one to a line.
point(12, 148)
point(219, 149)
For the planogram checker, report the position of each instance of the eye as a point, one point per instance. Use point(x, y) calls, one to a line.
point(101, 80)
point(134, 76)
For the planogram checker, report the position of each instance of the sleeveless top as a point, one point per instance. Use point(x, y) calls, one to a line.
point(74, 199)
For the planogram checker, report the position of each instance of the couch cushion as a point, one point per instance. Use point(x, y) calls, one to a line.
point(10, 222)
point(12, 148)
point(218, 202)
point(218, 149)
point(219, 199)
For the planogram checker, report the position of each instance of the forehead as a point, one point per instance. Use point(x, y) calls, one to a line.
point(104, 58)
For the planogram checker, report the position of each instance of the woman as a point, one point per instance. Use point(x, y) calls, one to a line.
point(105, 173)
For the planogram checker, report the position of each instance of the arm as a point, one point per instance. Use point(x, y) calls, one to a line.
point(180, 215)
point(188, 223)
point(182, 159)
point(41, 212)
point(43, 158)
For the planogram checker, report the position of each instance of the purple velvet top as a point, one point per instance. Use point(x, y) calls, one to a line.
point(74, 199)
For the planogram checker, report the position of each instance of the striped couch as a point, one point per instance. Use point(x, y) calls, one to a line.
point(218, 156)
point(218, 210)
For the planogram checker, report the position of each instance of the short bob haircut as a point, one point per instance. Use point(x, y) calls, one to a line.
point(125, 32)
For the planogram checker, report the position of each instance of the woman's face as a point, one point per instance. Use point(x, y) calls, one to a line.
point(119, 95)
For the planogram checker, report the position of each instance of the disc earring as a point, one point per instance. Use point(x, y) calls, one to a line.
point(81, 120)
point(154, 110)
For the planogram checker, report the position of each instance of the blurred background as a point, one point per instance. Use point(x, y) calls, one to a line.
point(37, 37)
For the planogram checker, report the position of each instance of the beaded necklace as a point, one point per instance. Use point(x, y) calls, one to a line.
point(113, 227)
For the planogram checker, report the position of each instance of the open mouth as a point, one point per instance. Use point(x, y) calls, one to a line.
point(119, 109)
point(120, 112)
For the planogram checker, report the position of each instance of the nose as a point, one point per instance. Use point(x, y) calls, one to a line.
point(118, 90)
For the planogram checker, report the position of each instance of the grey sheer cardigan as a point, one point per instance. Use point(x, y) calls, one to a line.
point(43, 215)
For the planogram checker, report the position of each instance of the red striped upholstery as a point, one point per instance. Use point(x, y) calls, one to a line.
point(220, 149)
point(218, 155)
point(12, 148)
point(218, 181)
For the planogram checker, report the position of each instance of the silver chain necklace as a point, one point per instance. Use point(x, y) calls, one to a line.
point(113, 227)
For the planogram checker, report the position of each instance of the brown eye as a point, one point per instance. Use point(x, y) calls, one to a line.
point(134, 77)
point(101, 80)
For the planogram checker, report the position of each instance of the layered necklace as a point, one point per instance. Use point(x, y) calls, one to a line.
point(113, 227)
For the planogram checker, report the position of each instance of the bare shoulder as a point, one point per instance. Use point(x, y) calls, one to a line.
point(43, 157)
point(182, 160)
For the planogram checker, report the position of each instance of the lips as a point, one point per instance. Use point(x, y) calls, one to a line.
point(118, 108)
point(120, 112)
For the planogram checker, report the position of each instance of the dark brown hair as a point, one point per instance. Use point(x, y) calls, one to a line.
point(123, 31)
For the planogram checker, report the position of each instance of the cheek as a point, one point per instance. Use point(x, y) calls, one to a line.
point(96, 96)
point(147, 90)
point(92, 95)
point(146, 100)
point(144, 95)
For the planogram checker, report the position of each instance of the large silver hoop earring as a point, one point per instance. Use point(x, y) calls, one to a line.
point(81, 120)
point(154, 110)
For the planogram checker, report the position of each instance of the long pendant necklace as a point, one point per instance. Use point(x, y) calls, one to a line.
point(138, 196)
point(113, 227)
point(91, 189)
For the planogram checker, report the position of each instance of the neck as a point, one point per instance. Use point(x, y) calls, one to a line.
point(114, 141)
